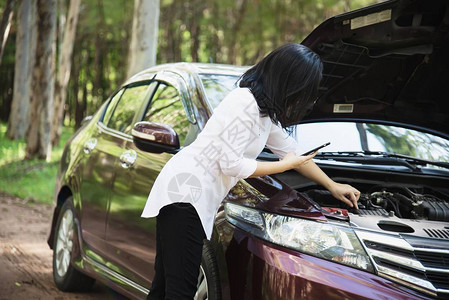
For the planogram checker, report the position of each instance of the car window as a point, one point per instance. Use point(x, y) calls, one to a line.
point(111, 106)
point(166, 107)
point(129, 103)
point(217, 86)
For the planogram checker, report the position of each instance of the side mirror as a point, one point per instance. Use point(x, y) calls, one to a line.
point(155, 137)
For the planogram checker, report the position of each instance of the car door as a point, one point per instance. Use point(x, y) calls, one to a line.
point(132, 237)
point(102, 152)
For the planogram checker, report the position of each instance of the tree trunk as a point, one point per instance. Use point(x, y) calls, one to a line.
point(61, 24)
point(39, 133)
point(64, 70)
point(216, 43)
point(61, 19)
point(24, 62)
point(5, 24)
point(195, 17)
point(277, 17)
point(84, 102)
point(173, 52)
point(100, 49)
point(241, 10)
point(174, 17)
point(78, 108)
point(75, 91)
point(142, 51)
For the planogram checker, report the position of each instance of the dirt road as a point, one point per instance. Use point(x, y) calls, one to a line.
point(26, 259)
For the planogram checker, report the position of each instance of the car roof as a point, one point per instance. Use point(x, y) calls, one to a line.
point(188, 69)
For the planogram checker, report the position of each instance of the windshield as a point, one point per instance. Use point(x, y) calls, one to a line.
point(357, 137)
point(346, 136)
point(217, 86)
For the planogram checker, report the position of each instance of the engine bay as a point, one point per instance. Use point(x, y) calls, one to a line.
point(415, 210)
point(400, 201)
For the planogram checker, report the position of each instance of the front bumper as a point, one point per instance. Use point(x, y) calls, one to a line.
point(257, 269)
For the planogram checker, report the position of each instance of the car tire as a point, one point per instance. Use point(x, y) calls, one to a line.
point(209, 279)
point(65, 276)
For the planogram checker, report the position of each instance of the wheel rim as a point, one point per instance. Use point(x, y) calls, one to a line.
point(201, 293)
point(64, 243)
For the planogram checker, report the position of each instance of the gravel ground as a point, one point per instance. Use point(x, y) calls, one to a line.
point(26, 259)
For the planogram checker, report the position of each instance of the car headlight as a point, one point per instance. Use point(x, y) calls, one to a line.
point(329, 241)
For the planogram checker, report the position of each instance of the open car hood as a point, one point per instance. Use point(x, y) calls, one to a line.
point(386, 63)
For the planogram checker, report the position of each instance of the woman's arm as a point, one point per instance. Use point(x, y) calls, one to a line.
point(286, 148)
point(306, 166)
point(273, 167)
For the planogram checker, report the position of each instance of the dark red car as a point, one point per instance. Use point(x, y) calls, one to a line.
point(383, 105)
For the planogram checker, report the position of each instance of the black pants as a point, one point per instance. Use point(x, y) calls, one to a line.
point(179, 244)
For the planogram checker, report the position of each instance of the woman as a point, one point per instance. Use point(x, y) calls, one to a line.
point(273, 95)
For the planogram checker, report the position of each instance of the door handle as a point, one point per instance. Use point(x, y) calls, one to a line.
point(90, 145)
point(128, 158)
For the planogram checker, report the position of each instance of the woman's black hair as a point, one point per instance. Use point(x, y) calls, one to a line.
point(285, 83)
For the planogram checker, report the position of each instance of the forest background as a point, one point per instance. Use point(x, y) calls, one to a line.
point(223, 31)
point(239, 32)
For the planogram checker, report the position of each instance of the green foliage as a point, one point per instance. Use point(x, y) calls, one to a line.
point(28, 178)
point(224, 31)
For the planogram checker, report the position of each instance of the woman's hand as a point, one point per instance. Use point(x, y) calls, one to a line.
point(345, 193)
point(293, 161)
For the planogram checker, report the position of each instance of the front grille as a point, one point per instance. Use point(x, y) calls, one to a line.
point(388, 248)
point(426, 270)
point(433, 260)
point(400, 268)
point(439, 280)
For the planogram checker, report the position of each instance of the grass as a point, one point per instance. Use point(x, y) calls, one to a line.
point(28, 179)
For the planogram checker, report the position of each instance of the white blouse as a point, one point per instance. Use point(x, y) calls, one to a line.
point(203, 172)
